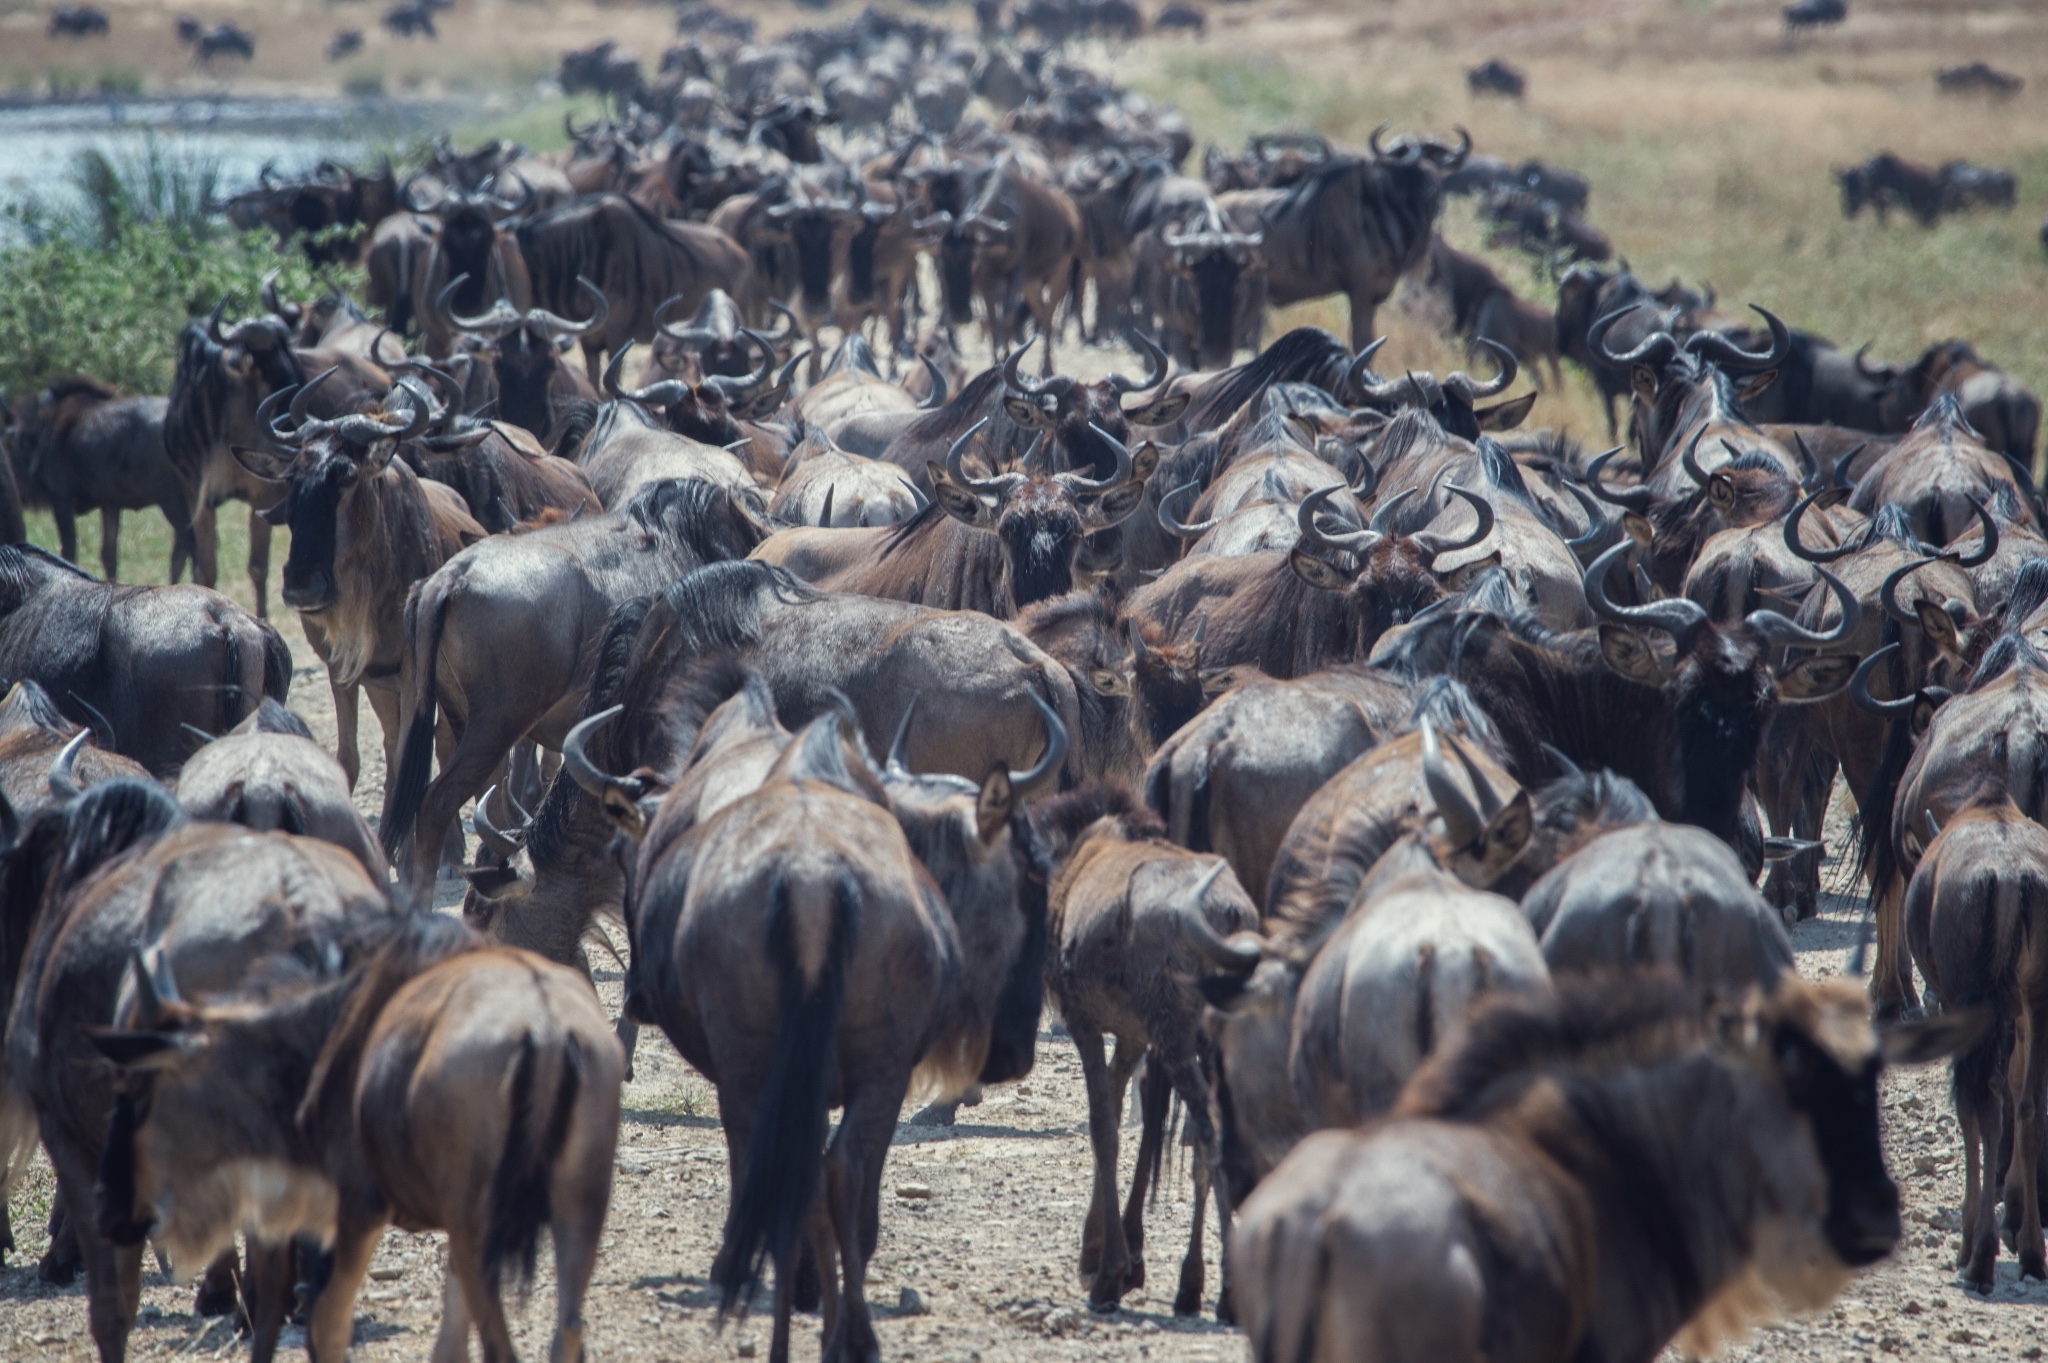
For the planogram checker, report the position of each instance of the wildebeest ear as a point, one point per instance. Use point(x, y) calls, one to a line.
point(1721, 490)
point(1459, 578)
point(1027, 413)
point(1217, 682)
point(1160, 411)
point(954, 500)
point(1628, 653)
point(992, 806)
point(1319, 573)
point(1638, 528)
point(1508, 831)
point(1816, 678)
point(1939, 627)
point(1645, 380)
point(1108, 682)
point(1928, 1039)
point(144, 1050)
point(762, 404)
point(1144, 461)
point(260, 463)
point(1755, 384)
point(1505, 416)
point(1116, 505)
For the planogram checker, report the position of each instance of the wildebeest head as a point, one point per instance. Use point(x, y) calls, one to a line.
point(709, 410)
point(1087, 420)
point(1214, 259)
point(1681, 385)
point(1452, 401)
point(525, 348)
point(222, 375)
point(716, 336)
point(808, 217)
point(468, 238)
point(1041, 516)
point(1385, 577)
point(322, 463)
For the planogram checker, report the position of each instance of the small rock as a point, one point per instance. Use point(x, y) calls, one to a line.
point(632, 1164)
point(659, 1212)
point(1923, 1164)
point(746, 1348)
point(911, 1302)
point(1914, 1308)
point(2031, 1351)
point(1891, 1344)
point(913, 1192)
point(1066, 1320)
point(1964, 1337)
point(46, 1341)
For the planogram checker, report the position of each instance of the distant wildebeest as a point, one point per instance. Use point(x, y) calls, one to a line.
point(1456, 1231)
point(135, 663)
point(1885, 182)
point(1964, 186)
point(224, 40)
point(1496, 77)
point(345, 43)
point(79, 447)
point(78, 21)
point(1978, 78)
point(1484, 308)
point(414, 18)
point(1815, 13)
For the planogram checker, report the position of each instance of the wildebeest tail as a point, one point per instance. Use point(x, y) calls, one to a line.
point(424, 617)
point(521, 1188)
point(778, 1178)
point(277, 666)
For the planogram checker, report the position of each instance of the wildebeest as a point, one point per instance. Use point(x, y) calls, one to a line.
point(1484, 308)
point(268, 774)
point(528, 609)
point(224, 39)
point(1887, 181)
point(2003, 413)
point(1213, 297)
point(1130, 917)
point(1010, 246)
point(1489, 1217)
point(45, 757)
point(78, 21)
point(1815, 13)
point(1353, 226)
point(1978, 78)
point(135, 663)
point(1972, 921)
point(1964, 186)
point(1495, 77)
point(524, 350)
point(445, 1085)
point(82, 447)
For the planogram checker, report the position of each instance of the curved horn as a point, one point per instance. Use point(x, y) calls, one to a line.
point(894, 766)
point(1679, 617)
point(684, 335)
point(1138, 650)
point(489, 834)
point(1712, 345)
point(1155, 363)
point(1360, 369)
point(1783, 629)
point(1990, 546)
point(1055, 746)
point(982, 487)
point(1799, 548)
point(300, 399)
point(1497, 385)
point(1859, 688)
point(1634, 498)
point(1809, 467)
point(662, 394)
point(732, 389)
point(63, 784)
point(1173, 525)
point(1351, 541)
point(213, 331)
point(1016, 382)
point(1689, 457)
point(1382, 521)
point(266, 417)
point(267, 291)
point(936, 398)
point(1439, 546)
point(585, 773)
point(1077, 483)
point(1563, 764)
point(1656, 348)
point(1596, 524)
point(600, 310)
point(790, 325)
point(1888, 593)
point(1461, 821)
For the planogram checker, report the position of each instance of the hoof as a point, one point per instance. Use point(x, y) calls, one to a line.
point(58, 1271)
point(1226, 1314)
point(936, 1114)
point(214, 1299)
point(1188, 1304)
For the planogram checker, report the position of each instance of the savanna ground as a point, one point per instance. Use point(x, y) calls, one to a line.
point(1708, 138)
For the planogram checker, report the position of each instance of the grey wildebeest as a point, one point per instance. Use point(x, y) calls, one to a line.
point(1131, 918)
point(524, 349)
point(136, 663)
point(268, 774)
point(88, 883)
point(532, 606)
point(80, 446)
point(1972, 920)
point(438, 1084)
point(1354, 225)
point(1488, 1218)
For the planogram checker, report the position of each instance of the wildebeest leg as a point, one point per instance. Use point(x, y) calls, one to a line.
point(1153, 1093)
point(110, 542)
point(385, 705)
point(1193, 1087)
point(465, 772)
point(67, 528)
point(1978, 1116)
point(819, 1263)
point(6, 1234)
point(259, 562)
point(205, 547)
point(334, 1311)
point(113, 1273)
point(853, 1183)
point(1362, 307)
point(451, 1343)
point(267, 1296)
point(62, 1260)
point(466, 1265)
point(2029, 1069)
point(346, 749)
point(217, 1294)
point(1104, 1254)
point(1892, 980)
point(578, 1196)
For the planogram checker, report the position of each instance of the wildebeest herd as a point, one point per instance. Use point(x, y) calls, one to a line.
point(1392, 781)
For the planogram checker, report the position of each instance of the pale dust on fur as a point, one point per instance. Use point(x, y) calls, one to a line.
point(1792, 1271)
point(266, 1199)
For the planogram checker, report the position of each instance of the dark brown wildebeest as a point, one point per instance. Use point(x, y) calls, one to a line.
point(268, 774)
point(993, 545)
point(1586, 294)
point(1210, 295)
point(869, 972)
point(1231, 781)
point(1972, 920)
point(365, 528)
point(398, 247)
point(37, 742)
point(78, 21)
point(1485, 308)
point(471, 238)
point(715, 339)
point(115, 869)
point(1488, 1218)
point(531, 608)
point(1660, 895)
point(525, 356)
point(1974, 78)
point(500, 471)
point(473, 1090)
point(137, 663)
point(625, 449)
point(1130, 918)
point(1885, 182)
point(221, 379)
point(2005, 415)
point(80, 446)
point(641, 263)
point(1495, 77)
point(1012, 248)
point(1353, 226)
point(1942, 477)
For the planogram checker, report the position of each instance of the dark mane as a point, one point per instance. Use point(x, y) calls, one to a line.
point(960, 412)
point(718, 606)
point(1303, 355)
point(1597, 1023)
point(272, 718)
point(703, 515)
point(1065, 815)
point(79, 385)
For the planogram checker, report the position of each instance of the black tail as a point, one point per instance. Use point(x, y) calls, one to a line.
point(778, 1177)
point(409, 787)
point(277, 666)
point(520, 1189)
